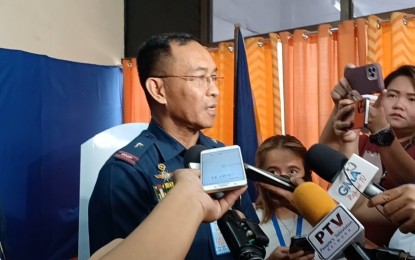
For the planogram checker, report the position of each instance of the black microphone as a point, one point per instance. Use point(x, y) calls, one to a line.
point(349, 176)
point(191, 158)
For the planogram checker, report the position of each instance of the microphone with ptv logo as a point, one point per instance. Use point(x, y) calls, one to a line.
point(335, 228)
point(337, 233)
point(349, 177)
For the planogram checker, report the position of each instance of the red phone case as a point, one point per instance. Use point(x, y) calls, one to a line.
point(367, 79)
point(360, 115)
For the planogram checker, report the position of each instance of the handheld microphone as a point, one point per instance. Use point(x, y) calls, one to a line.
point(349, 177)
point(335, 228)
point(191, 158)
point(336, 233)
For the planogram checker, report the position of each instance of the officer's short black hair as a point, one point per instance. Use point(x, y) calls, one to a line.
point(152, 52)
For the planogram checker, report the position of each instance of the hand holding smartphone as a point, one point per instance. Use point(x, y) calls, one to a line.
point(222, 169)
point(367, 79)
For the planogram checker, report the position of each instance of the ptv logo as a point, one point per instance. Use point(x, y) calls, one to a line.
point(334, 232)
point(333, 223)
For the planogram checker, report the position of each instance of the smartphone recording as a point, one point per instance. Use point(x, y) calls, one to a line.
point(222, 169)
point(367, 79)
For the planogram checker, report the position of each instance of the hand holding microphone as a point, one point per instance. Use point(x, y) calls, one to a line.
point(399, 206)
point(285, 196)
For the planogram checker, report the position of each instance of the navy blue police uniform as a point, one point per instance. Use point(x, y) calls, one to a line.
point(135, 179)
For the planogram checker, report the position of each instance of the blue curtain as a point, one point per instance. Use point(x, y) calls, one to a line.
point(48, 108)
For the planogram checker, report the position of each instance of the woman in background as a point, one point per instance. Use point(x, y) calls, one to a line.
point(390, 145)
point(282, 155)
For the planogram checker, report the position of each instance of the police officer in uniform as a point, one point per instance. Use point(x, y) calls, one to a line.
point(178, 76)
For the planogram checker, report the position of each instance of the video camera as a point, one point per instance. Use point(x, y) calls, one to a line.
point(245, 239)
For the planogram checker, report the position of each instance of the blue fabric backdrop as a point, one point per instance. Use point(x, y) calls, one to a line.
point(48, 108)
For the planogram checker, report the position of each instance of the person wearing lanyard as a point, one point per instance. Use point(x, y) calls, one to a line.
point(282, 155)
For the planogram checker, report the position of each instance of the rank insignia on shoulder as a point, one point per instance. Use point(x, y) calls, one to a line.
point(127, 157)
point(163, 173)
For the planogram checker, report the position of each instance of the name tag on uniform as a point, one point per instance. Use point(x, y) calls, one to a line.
point(218, 240)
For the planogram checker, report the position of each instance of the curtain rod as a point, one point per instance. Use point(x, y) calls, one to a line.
point(267, 40)
point(404, 20)
point(331, 30)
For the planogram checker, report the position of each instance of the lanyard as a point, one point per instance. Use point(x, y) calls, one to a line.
point(278, 229)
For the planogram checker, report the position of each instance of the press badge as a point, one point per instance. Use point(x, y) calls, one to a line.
point(218, 240)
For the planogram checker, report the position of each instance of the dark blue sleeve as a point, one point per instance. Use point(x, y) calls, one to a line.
point(121, 200)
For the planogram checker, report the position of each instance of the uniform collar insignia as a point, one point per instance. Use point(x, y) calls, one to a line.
point(138, 145)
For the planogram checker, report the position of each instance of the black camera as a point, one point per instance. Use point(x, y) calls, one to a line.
point(245, 239)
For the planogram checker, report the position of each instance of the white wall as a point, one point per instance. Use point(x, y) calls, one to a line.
point(87, 31)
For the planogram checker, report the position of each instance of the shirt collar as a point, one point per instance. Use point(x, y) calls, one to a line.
point(170, 147)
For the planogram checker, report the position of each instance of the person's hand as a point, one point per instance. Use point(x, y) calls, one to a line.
point(213, 209)
point(343, 90)
point(344, 120)
point(398, 205)
point(282, 253)
point(377, 117)
point(285, 196)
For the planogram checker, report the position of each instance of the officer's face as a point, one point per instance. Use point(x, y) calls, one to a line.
point(191, 100)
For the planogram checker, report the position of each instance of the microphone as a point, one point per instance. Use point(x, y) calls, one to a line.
point(336, 233)
point(349, 177)
point(191, 158)
point(335, 228)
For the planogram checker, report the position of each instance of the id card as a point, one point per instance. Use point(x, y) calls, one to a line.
point(218, 240)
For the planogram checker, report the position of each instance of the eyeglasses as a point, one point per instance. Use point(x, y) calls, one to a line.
point(201, 80)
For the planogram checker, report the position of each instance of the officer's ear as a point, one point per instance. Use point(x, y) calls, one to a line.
point(156, 89)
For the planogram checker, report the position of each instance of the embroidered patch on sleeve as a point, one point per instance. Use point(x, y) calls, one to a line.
point(127, 157)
